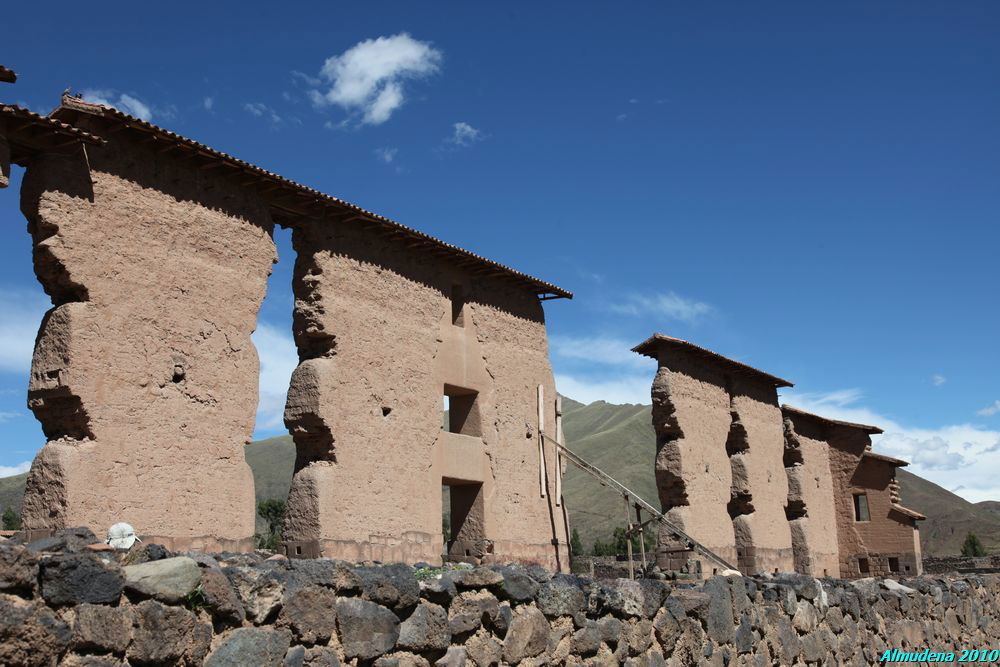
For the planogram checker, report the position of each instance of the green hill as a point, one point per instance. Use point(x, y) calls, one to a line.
point(11, 492)
point(619, 439)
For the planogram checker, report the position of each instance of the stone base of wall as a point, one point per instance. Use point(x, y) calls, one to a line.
point(63, 602)
point(416, 547)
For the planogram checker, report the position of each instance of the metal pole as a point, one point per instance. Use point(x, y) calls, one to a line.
point(628, 537)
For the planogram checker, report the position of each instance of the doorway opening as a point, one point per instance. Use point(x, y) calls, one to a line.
point(462, 511)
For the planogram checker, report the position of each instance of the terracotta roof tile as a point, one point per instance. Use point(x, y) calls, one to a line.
point(71, 106)
point(649, 346)
point(51, 124)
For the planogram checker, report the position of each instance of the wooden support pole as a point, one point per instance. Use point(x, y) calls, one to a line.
point(541, 439)
point(628, 537)
point(559, 441)
point(642, 542)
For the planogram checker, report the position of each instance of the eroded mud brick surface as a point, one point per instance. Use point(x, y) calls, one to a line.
point(385, 333)
point(144, 376)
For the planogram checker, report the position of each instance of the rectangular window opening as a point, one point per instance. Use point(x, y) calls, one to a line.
point(863, 566)
point(457, 306)
point(461, 411)
point(893, 564)
point(861, 507)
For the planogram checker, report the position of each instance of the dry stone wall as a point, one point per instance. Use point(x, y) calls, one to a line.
point(62, 603)
point(144, 379)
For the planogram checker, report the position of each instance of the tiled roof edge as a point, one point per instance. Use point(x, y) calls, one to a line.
point(77, 104)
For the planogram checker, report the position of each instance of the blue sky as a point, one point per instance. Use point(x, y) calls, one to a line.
point(810, 189)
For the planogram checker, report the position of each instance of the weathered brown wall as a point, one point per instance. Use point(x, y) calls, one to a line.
point(691, 417)
point(889, 533)
point(4, 156)
point(144, 375)
point(373, 323)
point(754, 403)
point(814, 537)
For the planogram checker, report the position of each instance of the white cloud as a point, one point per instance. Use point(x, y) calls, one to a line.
point(953, 455)
point(208, 103)
point(7, 416)
point(617, 390)
point(620, 117)
point(600, 350)
point(9, 471)
point(261, 110)
point(989, 410)
point(123, 102)
point(22, 314)
point(278, 358)
point(669, 305)
point(387, 154)
point(938, 379)
point(367, 79)
point(464, 134)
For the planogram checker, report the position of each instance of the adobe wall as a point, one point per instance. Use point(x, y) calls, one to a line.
point(814, 540)
point(144, 376)
point(889, 533)
point(719, 467)
point(373, 324)
point(4, 156)
point(691, 417)
point(759, 470)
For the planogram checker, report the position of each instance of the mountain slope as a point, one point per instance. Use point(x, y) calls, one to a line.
point(619, 439)
point(11, 492)
point(949, 517)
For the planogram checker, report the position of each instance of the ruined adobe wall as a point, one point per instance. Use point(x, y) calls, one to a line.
point(373, 323)
point(83, 608)
point(889, 533)
point(144, 375)
point(691, 417)
point(754, 405)
point(814, 536)
point(4, 156)
point(846, 448)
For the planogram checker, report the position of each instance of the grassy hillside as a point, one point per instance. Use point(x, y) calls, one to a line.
point(949, 517)
point(11, 491)
point(619, 439)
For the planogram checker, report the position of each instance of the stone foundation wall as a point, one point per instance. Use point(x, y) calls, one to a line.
point(62, 603)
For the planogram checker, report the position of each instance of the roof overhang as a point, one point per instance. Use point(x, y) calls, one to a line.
point(291, 202)
point(651, 346)
point(796, 412)
point(906, 511)
point(899, 463)
point(28, 133)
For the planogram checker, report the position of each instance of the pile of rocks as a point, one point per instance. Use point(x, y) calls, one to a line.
point(65, 602)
